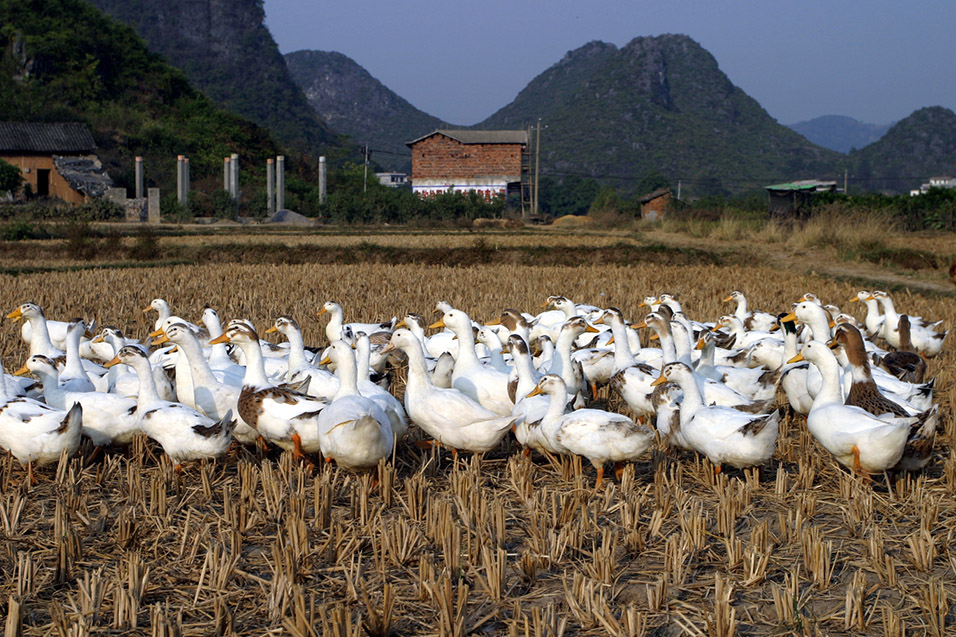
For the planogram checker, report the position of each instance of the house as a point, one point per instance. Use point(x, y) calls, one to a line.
point(793, 198)
point(392, 180)
point(493, 163)
point(935, 182)
point(655, 204)
point(56, 160)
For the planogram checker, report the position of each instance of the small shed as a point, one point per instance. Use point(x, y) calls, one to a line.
point(793, 199)
point(654, 205)
point(56, 160)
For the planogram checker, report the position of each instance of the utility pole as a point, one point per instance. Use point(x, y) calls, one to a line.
point(845, 172)
point(679, 181)
point(537, 159)
point(365, 181)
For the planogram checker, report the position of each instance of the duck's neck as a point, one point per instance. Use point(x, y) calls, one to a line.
point(528, 376)
point(74, 367)
point(707, 354)
point(563, 350)
point(363, 356)
point(217, 352)
point(741, 311)
point(623, 357)
point(891, 318)
point(681, 344)
point(873, 315)
point(296, 352)
point(346, 371)
point(333, 331)
point(466, 347)
point(418, 377)
point(668, 350)
point(148, 394)
point(255, 375)
point(819, 326)
point(557, 403)
point(692, 401)
point(831, 390)
point(40, 342)
point(789, 344)
point(192, 351)
point(52, 392)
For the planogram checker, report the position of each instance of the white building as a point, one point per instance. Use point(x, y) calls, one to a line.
point(935, 182)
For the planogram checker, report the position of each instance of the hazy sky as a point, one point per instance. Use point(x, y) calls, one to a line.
point(874, 60)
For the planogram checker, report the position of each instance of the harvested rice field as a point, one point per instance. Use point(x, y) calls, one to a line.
point(256, 544)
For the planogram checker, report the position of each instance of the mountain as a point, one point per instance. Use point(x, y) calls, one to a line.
point(840, 133)
point(62, 61)
point(228, 53)
point(353, 102)
point(658, 104)
point(916, 148)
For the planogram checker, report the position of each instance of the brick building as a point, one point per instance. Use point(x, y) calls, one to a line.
point(493, 163)
point(56, 160)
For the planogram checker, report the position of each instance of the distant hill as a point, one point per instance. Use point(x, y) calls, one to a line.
point(353, 102)
point(840, 133)
point(63, 60)
point(658, 104)
point(920, 146)
point(228, 53)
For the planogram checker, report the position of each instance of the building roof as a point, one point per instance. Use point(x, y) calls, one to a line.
point(66, 137)
point(651, 196)
point(804, 184)
point(84, 174)
point(467, 136)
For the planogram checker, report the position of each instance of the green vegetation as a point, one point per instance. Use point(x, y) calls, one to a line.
point(10, 177)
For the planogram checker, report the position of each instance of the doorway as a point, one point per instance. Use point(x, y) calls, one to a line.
point(43, 182)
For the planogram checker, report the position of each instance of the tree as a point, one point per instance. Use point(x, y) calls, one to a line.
point(10, 177)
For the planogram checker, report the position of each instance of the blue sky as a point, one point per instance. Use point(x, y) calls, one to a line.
point(875, 60)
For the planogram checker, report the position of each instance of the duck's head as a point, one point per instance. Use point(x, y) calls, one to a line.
point(577, 325)
point(129, 355)
point(810, 297)
point(402, 339)
point(157, 305)
point(210, 314)
point(176, 332)
point(337, 353)
point(549, 384)
point(672, 373)
point(237, 331)
point(862, 295)
point(455, 320)
point(880, 295)
point(512, 320)
point(706, 339)
point(328, 307)
point(736, 295)
point(26, 311)
point(285, 325)
point(648, 301)
point(441, 307)
point(815, 352)
point(518, 346)
point(728, 321)
point(78, 325)
point(38, 364)
point(411, 319)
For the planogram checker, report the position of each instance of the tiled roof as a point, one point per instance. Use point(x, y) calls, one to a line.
point(58, 138)
point(467, 136)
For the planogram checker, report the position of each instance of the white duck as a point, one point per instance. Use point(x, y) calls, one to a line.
point(353, 430)
point(108, 419)
point(487, 386)
point(184, 433)
point(322, 383)
point(600, 436)
point(724, 434)
point(924, 337)
point(389, 404)
point(450, 417)
point(35, 433)
point(760, 321)
point(874, 318)
point(281, 415)
point(856, 439)
point(333, 330)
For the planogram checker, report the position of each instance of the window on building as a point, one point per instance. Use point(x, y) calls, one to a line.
point(43, 182)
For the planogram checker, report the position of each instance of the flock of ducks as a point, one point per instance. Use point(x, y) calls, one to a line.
point(706, 387)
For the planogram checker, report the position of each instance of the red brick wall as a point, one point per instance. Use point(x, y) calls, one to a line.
point(440, 157)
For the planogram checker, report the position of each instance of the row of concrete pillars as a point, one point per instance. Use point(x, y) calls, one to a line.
point(275, 180)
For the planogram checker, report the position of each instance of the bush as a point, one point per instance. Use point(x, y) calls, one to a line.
point(21, 230)
point(146, 246)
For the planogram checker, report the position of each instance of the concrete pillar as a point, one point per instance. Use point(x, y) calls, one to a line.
point(139, 178)
point(180, 180)
point(270, 186)
point(187, 180)
point(152, 206)
point(234, 180)
point(280, 182)
point(226, 175)
point(321, 180)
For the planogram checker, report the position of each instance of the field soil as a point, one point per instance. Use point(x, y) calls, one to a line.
point(255, 543)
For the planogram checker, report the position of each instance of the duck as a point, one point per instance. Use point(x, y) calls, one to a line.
point(393, 409)
point(74, 375)
point(35, 433)
point(280, 414)
point(166, 317)
point(632, 378)
point(492, 342)
point(333, 329)
point(215, 395)
point(322, 383)
point(865, 393)
point(108, 419)
point(452, 418)
point(524, 378)
point(924, 336)
point(724, 434)
point(40, 342)
point(184, 433)
point(904, 363)
point(217, 355)
point(873, 321)
point(120, 379)
point(794, 376)
point(758, 384)
point(353, 429)
point(753, 321)
point(515, 322)
point(666, 399)
point(856, 439)
point(563, 363)
point(487, 386)
point(598, 435)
